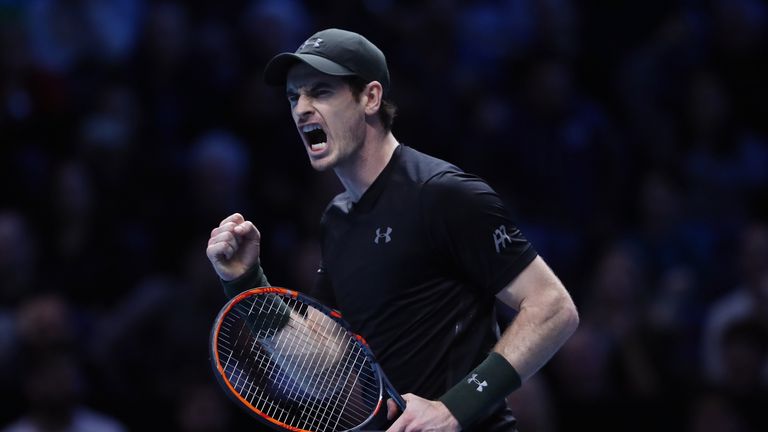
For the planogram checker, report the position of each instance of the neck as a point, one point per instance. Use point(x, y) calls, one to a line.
point(360, 173)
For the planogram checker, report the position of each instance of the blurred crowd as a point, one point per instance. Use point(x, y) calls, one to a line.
point(629, 139)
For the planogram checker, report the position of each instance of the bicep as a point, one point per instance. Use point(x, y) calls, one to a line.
point(536, 280)
point(469, 224)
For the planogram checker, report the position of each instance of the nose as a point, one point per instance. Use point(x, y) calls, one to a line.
point(303, 107)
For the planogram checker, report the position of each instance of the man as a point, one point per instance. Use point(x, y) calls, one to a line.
point(414, 252)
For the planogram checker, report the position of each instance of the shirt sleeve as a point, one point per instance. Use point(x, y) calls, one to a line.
point(254, 277)
point(467, 221)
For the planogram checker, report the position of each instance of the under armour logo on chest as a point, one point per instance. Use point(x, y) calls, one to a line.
point(500, 238)
point(480, 385)
point(385, 236)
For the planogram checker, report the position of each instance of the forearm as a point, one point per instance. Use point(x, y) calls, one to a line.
point(541, 327)
point(546, 318)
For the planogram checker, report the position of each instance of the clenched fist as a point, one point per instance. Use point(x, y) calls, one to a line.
point(234, 247)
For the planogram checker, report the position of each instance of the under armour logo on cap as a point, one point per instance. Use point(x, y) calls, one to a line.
point(333, 52)
point(313, 41)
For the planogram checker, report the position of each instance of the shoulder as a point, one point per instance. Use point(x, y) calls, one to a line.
point(443, 185)
point(420, 167)
point(457, 188)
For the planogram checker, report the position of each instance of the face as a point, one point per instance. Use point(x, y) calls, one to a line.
point(330, 120)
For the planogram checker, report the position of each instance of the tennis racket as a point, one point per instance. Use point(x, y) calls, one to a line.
point(295, 364)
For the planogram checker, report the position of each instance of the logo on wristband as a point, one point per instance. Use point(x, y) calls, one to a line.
point(480, 385)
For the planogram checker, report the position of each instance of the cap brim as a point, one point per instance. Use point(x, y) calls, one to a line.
point(277, 69)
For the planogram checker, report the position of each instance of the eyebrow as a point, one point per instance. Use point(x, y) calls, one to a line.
point(318, 85)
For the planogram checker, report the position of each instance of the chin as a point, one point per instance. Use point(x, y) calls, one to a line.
point(320, 168)
point(320, 164)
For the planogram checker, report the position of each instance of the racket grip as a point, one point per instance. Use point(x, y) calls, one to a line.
point(399, 401)
point(393, 393)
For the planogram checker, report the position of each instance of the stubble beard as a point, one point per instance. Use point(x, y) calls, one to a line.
point(345, 154)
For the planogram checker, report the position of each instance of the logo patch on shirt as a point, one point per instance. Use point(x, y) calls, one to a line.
point(480, 385)
point(385, 236)
point(500, 238)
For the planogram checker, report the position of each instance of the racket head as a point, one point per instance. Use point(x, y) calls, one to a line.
point(311, 373)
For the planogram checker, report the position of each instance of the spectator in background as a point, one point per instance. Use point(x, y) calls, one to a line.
point(18, 281)
point(724, 161)
point(749, 298)
point(739, 49)
point(745, 351)
point(46, 325)
point(712, 412)
point(52, 387)
point(202, 408)
point(63, 34)
point(738, 401)
point(219, 167)
point(18, 258)
point(73, 238)
point(745, 356)
point(533, 405)
point(609, 365)
point(161, 62)
point(678, 261)
point(133, 353)
point(52, 382)
point(274, 25)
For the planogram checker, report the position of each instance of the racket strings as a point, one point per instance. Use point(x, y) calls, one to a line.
point(296, 368)
point(338, 336)
point(331, 410)
point(323, 417)
point(309, 374)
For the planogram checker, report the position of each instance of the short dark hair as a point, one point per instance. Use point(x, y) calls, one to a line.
point(387, 110)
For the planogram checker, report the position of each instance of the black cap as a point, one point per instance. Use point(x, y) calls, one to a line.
point(333, 52)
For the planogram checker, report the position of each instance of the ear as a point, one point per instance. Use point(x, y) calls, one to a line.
point(372, 96)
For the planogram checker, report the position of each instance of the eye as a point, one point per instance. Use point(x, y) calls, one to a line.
point(321, 93)
point(292, 98)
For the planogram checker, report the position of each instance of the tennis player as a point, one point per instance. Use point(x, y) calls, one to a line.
point(414, 251)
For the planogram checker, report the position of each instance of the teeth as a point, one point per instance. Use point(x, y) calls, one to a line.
point(310, 128)
point(319, 146)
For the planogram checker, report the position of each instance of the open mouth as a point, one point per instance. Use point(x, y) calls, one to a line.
point(315, 136)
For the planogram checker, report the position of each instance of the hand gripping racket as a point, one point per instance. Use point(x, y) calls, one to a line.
point(295, 364)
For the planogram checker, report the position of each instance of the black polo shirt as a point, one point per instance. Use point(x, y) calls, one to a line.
point(414, 267)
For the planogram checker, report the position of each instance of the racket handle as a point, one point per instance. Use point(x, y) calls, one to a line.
point(393, 392)
point(399, 401)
